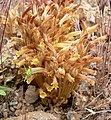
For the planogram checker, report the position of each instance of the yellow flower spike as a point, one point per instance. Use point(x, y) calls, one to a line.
point(89, 71)
point(71, 7)
point(95, 59)
point(34, 8)
point(72, 34)
point(48, 87)
point(70, 78)
point(55, 83)
point(16, 7)
point(76, 56)
point(105, 37)
point(3, 21)
point(30, 79)
point(49, 73)
point(35, 61)
point(92, 43)
point(18, 40)
point(42, 44)
point(75, 72)
point(35, 56)
point(3, 17)
point(44, 15)
point(22, 48)
point(61, 71)
point(72, 60)
point(86, 79)
point(93, 28)
point(61, 45)
point(17, 53)
point(65, 44)
point(14, 60)
point(85, 58)
point(42, 93)
point(27, 55)
point(66, 17)
point(64, 50)
point(46, 20)
point(38, 70)
point(20, 63)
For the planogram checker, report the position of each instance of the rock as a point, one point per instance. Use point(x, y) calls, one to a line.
point(0, 107)
point(18, 106)
point(5, 114)
point(1, 76)
point(6, 110)
point(4, 106)
point(12, 109)
point(30, 108)
point(13, 103)
point(30, 94)
point(36, 115)
point(18, 112)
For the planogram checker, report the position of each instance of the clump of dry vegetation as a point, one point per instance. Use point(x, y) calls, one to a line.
point(50, 52)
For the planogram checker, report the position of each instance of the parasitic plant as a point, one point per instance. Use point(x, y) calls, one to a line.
point(51, 52)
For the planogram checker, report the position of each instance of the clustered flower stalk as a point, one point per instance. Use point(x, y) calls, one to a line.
point(51, 53)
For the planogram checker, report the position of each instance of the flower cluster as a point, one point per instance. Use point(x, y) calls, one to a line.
point(51, 51)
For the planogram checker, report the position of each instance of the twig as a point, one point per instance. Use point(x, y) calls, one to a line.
point(1, 43)
point(93, 112)
point(94, 99)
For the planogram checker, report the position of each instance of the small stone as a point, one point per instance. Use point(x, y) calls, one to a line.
point(17, 94)
point(13, 103)
point(39, 108)
point(4, 106)
point(1, 76)
point(17, 112)
point(30, 108)
point(5, 114)
point(18, 106)
point(24, 101)
point(27, 104)
point(30, 94)
point(12, 109)
point(6, 110)
point(15, 98)
point(0, 107)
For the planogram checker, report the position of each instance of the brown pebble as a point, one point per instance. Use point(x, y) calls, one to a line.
point(13, 103)
point(18, 106)
point(30, 108)
point(30, 94)
point(0, 107)
point(27, 104)
point(12, 109)
point(24, 101)
point(17, 95)
point(1, 76)
point(5, 114)
point(4, 106)
point(17, 112)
